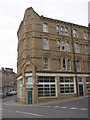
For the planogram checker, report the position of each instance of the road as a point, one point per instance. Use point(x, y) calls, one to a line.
point(74, 108)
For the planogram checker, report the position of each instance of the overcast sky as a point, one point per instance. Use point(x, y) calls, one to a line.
point(12, 12)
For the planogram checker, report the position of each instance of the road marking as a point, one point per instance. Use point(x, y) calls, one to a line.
point(73, 108)
point(82, 109)
point(56, 107)
point(28, 105)
point(46, 106)
point(29, 113)
point(64, 107)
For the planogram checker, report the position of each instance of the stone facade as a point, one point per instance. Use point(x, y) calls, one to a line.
point(52, 59)
point(8, 78)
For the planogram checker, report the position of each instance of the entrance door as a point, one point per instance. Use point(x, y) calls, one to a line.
point(80, 90)
point(29, 97)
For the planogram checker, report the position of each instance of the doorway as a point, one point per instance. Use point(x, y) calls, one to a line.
point(80, 89)
point(29, 96)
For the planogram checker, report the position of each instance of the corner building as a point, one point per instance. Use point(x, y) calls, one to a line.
point(52, 61)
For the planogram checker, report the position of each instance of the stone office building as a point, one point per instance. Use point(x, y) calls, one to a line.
point(52, 59)
point(8, 80)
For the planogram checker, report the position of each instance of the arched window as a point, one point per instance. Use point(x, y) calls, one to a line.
point(78, 65)
point(68, 65)
point(64, 64)
point(57, 29)
point(45, 43)
point(59, 63)
point(45, 27)
point(75, 33)
point(62, 29)
point(46, 63)
point(77, 47)
point(67, 46)
point(85, 35)
point(59, 44)
point(66, 31)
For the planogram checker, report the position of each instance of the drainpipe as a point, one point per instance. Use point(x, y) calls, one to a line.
point(74, 57)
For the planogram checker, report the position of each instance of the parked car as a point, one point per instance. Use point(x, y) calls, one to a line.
point(12, 93)
point(2, 95)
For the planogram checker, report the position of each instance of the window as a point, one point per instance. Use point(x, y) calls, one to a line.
point(85, 35)
point(46, 88)
point(45, 43)
point(86, 49)
point(62, 29)
point(67, 46)
point(63, 45)
point(46, 63)
point(88, 84)
point(77, 47)
point(29, 82)
point(66, 31)
point(88, 36)
point(57, 29)
point(67, 85)
point(80, 80)
point(64, 64)
point(75, 34)
point(21, 88)
point(59, 44)
point(59, 63)
point(78, 65)
point(45, 27)
point(68, 65)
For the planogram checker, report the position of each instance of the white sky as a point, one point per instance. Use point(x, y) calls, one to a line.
point(12, 12)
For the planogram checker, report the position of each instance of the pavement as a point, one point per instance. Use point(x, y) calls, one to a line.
point(13, 102)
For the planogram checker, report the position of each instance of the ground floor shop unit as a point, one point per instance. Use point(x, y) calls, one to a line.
point(44, 87)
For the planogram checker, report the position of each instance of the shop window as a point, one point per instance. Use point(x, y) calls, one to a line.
point(47, 88)
point(66, 85)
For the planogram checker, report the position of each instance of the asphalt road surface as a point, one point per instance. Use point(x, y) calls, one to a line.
point(73, 108)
